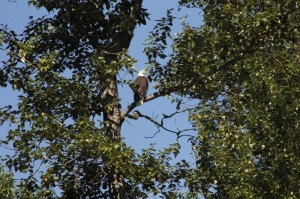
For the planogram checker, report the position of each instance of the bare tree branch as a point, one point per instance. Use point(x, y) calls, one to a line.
point(5, 147)
point(171, 115)
point(160, 125)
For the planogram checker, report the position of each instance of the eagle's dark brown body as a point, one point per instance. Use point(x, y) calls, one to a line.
point(140, 88)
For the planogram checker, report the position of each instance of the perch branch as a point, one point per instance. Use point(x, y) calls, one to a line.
point(191, 82)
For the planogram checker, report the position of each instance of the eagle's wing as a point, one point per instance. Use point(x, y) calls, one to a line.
point(143, 86)
point(139, 87)
point(135, 85)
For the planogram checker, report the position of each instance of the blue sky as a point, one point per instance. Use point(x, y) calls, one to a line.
point(16, 15)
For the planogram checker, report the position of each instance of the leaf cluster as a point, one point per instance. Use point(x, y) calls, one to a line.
point(6, 184)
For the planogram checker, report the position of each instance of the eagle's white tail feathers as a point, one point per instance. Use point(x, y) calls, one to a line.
point(140, 102)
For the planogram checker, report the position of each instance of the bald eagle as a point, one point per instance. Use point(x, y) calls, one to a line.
point(140, 87)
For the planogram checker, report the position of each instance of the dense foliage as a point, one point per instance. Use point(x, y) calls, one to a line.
point(241, 66)
point(6, 184)
point(248, 121)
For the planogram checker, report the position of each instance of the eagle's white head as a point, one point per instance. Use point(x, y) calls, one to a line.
point(142, 73)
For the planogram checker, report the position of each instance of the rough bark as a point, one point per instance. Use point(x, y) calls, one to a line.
point(112, 115)
point(112, 123)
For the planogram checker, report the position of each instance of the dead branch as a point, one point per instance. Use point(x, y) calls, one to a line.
point(160, 124)
point(171, 115)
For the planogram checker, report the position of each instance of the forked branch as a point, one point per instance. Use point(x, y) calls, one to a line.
point(160, 125)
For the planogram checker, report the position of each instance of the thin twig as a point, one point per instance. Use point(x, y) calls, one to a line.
point(159, 125)
point(36, 171)
point(7, 148)
point(152, 135)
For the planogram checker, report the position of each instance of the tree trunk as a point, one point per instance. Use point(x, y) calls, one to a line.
point(112, 112)
point(112, 123)
point(112, 115)
point(116, 187)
